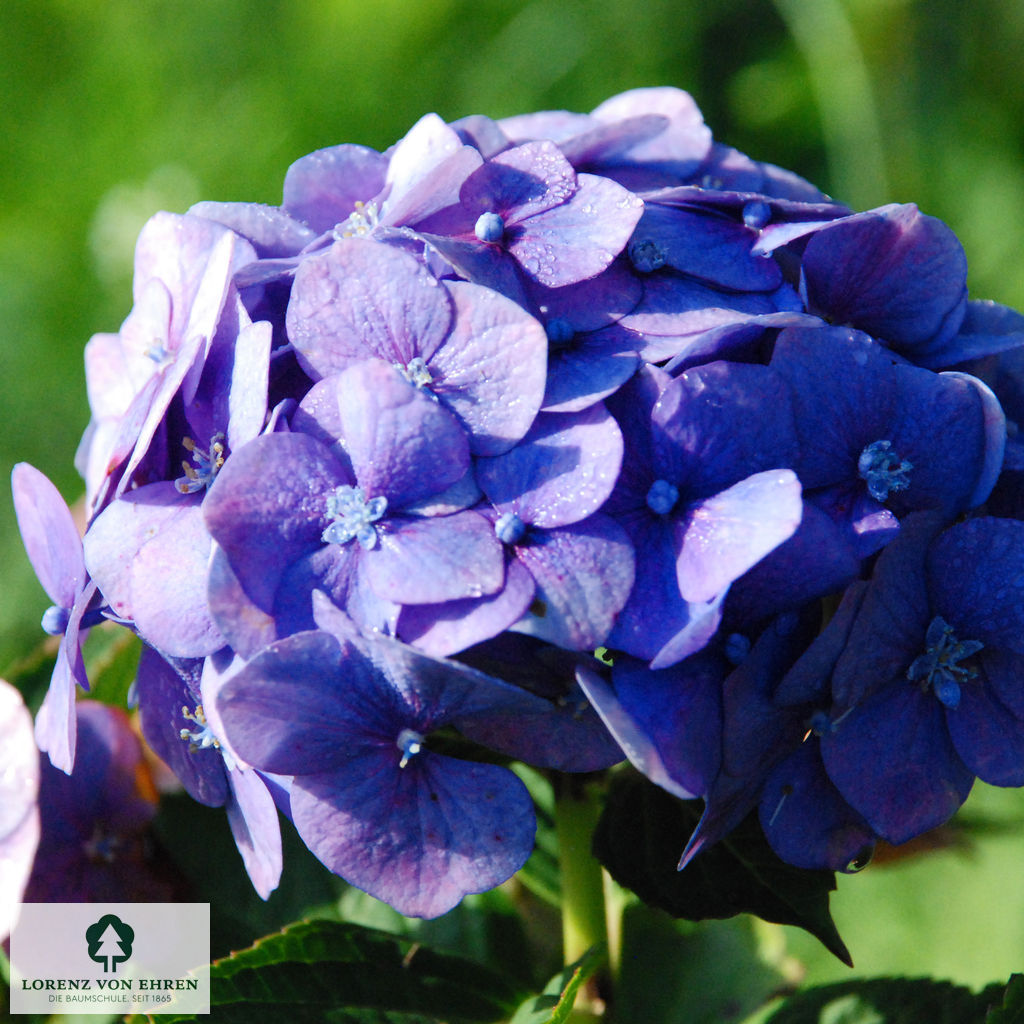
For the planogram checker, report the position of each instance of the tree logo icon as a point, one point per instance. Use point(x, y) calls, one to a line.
point(110, 941)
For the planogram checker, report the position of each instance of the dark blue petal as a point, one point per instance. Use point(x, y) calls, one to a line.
point(893, 272)
point(987, 735)
point(807, 822)
point(892, 759)
point(976, 581)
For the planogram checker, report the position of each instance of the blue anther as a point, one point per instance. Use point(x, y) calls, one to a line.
point(560, 332)
point(55, 620)
point(662, 497)
point(939, 667)
point(737, 647)
point(509, 528)
point(883, 470)
point(410, 743)
point(353, 516)
point(756, 214)
point(489, 227)
point(646, 255)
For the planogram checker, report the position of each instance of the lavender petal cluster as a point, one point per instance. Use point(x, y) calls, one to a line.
point(745, 459)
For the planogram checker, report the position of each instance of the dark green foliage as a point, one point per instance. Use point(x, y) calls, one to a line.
point(889, 1001)
point(329, 971)
point(642, 833)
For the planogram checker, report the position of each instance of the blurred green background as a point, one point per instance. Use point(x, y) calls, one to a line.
point(112, 111)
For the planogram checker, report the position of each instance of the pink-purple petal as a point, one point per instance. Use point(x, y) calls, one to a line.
point(49, 534)
point(561, 472)
point(432, 559)
point(252, 816)
point(323, 187)
point(361, 299)
point(491, 367)
point(578, 239)
point(724, 536)
point(402, 443)
point(452, 626)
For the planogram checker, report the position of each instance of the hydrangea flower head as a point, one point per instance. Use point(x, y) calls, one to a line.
point(553, 439)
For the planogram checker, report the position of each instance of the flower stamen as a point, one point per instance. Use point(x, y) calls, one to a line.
point(353, 516)
point(207, 464)
point(360, 222)
point(939, 668)
point(883, 470)
point(410, 743)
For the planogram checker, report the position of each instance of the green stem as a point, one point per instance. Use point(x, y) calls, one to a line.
point(577, 808)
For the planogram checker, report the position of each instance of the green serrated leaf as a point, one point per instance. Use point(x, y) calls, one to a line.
point(199, 841)
point(555, 1003)
point(270, 1013)
point(333, 971)
point(1012, 1009)
point(643, 830)
point(485, 927)
point(887, 1001)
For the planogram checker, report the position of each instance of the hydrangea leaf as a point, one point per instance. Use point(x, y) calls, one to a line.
point(889, 1001)
point(639, 838)
point(316, 971)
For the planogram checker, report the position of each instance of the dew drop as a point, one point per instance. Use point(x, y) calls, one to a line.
point(860, 859)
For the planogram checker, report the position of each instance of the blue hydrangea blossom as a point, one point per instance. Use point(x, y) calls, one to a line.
point(516, 411)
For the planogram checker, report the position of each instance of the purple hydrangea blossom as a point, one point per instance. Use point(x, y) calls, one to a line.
point(878, 440)
point(157, 530)
point(527, 209)
point(928, 687)
point(569, 569)
point(349, 717)
point(477, 353)
point(702, 244)
point(183, 268)
point(587, 362)
point(895, 434)
point(893, 273)
point(806, 820)
point(360, 526)
point(94, 844)
point(350, 191)
point(172, 701)
point(54, 548)
point(511, 390)
point(691, 323)
point(19, 813)
point(668, 721)
point(699, 498)
point(643, 138)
